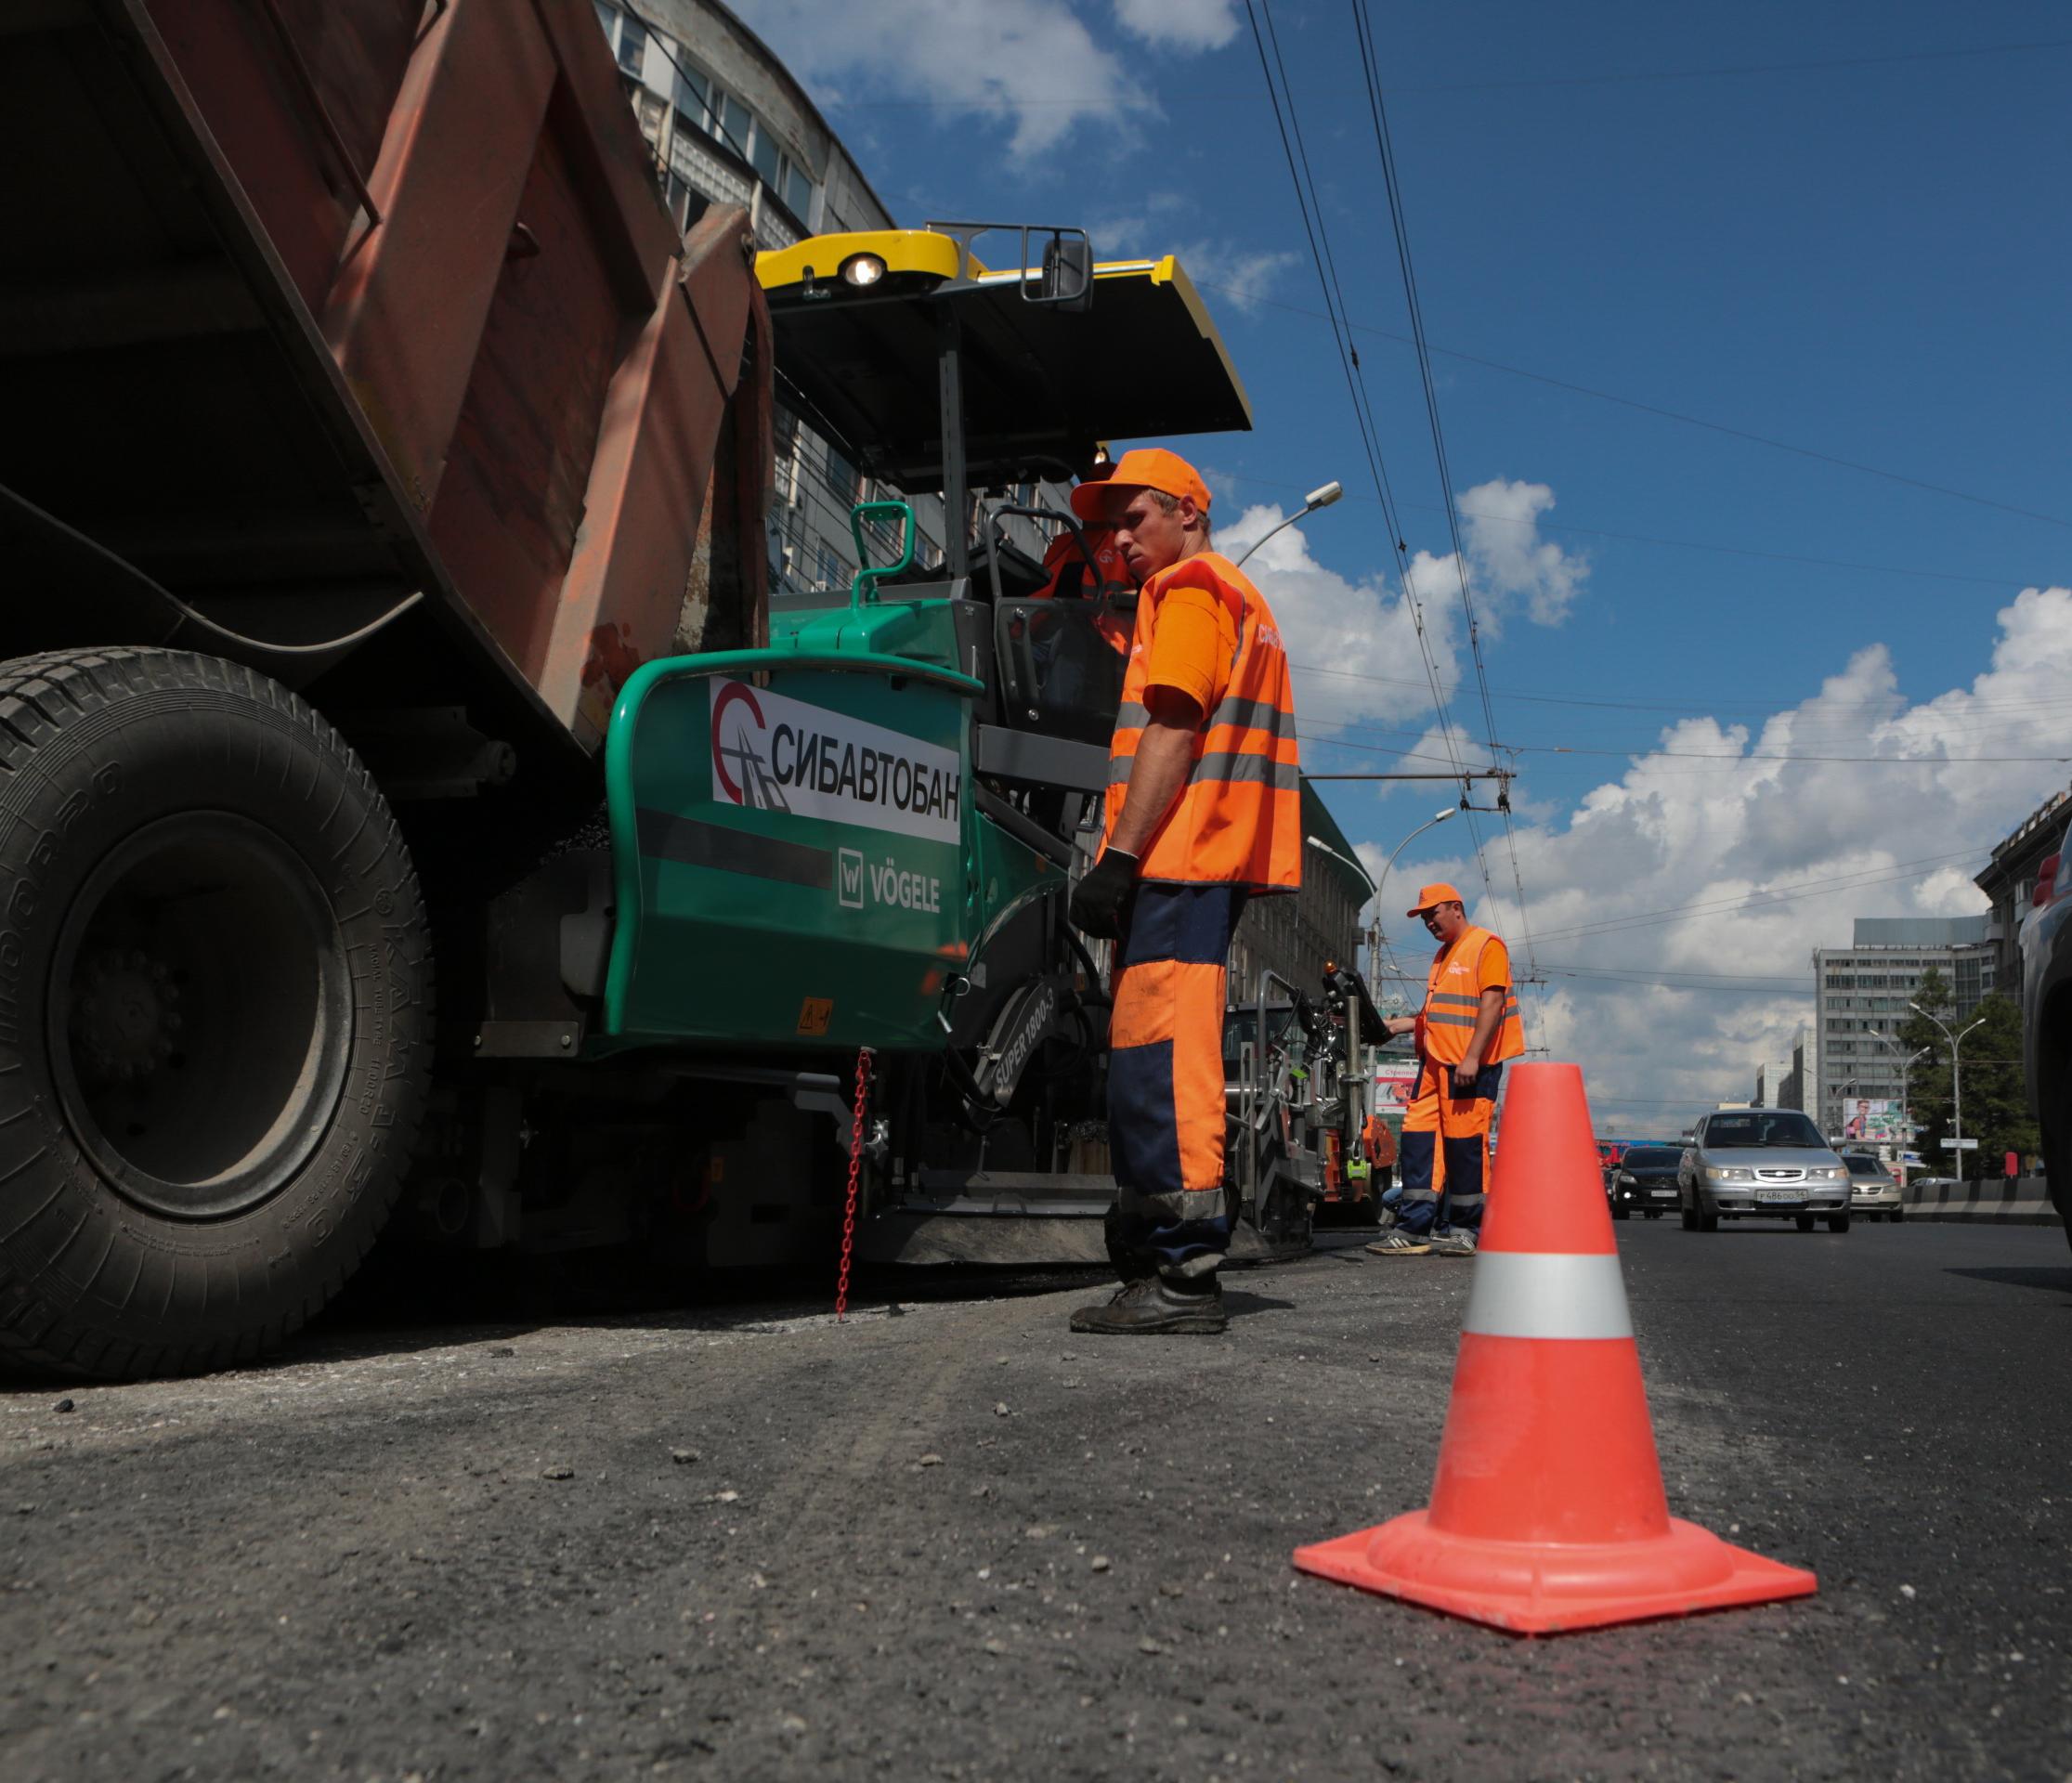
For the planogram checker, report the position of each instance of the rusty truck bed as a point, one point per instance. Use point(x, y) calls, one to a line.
point(312, 306)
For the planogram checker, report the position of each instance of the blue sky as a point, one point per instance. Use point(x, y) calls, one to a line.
point(1866, 262)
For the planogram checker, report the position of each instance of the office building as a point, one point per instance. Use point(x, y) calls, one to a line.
point(2009, 876)
point(1861, 994)
point(1781, 1083)
point(1295, 936)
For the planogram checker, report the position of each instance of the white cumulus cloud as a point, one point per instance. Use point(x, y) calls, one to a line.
point(1353, 641)
point(1033, 65)
point(1179, 25)
point(1244, 278)
point(1675, 907)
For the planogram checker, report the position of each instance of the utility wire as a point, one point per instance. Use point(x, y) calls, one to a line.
point(1399, 223)
point(1902, 871)
point(1318, 235)
point(1677, 415)
point(1641, 756)
point(978, 101)
point(1539, 523)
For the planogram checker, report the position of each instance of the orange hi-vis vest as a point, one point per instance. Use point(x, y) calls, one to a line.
point(1447, 1024)
point(1238, 819)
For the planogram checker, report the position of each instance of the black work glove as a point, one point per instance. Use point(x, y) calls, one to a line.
point(1098, 899)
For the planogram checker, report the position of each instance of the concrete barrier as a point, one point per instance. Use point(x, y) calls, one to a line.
point(2025, 1201)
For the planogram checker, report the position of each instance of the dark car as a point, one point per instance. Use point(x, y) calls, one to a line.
point(1643, 1181)
point(2047, 1020)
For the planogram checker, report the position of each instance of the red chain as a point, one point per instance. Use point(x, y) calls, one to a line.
point(855, 1170)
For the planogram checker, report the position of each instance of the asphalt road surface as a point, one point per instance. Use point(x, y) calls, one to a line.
point(960, 1543)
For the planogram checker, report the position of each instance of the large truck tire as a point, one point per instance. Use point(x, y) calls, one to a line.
point(215, 1012)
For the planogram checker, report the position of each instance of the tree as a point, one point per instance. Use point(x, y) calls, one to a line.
point(1996, 1102)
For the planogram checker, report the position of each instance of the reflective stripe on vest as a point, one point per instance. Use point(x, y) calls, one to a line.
point(1448, 1018)
point(1238, 819)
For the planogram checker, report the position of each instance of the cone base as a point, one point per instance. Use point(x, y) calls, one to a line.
point(1545, 1588)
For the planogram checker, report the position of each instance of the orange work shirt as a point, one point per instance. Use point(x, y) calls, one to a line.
point(1477, 962)
point(1204, 630)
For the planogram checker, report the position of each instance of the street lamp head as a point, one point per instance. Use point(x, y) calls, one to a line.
point(1443, 815)
point(1324, 497)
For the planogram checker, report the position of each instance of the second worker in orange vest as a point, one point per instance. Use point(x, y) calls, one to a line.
point(1203, 810)
point(1469, 1027)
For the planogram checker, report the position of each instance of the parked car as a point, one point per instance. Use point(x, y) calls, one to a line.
point(1873, 1191)
point(1643, 1182)
point(1760, 1163)
point(2047, 1020)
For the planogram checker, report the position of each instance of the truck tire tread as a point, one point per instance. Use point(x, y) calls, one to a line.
point(42, 696)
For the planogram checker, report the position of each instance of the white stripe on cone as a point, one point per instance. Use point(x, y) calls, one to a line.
point(1525, 1293)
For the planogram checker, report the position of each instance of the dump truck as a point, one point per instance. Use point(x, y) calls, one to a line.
point(408, 799)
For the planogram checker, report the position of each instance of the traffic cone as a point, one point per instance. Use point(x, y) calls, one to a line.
point(1547, 1510)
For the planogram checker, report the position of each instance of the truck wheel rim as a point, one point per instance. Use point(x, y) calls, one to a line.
point(201, 1015)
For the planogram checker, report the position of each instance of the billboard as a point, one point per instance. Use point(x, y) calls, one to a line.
point(1870, 1120)
point(1395, 1083)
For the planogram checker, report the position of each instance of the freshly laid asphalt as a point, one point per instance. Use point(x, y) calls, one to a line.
point(960, 1543)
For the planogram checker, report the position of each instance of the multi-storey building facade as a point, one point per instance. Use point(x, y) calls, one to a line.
point(1296, 937)
point(1781, 1083)
point(2009, 876)
point(1861, 994)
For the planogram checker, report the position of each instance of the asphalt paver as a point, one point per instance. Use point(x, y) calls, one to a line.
point(955, 1540)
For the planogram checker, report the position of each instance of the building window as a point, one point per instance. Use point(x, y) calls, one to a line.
point(691, 98)
point(798, 191)
point(732, 121)
point(843, 478)
point(608, 15)
point(632, 45)
point(764, 156)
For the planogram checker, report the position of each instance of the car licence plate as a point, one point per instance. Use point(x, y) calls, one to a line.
point(1661, 1194)
point(1780, 1194)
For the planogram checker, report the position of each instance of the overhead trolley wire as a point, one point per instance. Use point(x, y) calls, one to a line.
point(1903, 870)
point(1399, 226)
point(1663, 414)
point(1539, 521)
point(1318, 235)
point(1017, 102)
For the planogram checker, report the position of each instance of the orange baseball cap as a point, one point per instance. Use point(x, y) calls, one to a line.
point(1142, 467)
point(1430, 895)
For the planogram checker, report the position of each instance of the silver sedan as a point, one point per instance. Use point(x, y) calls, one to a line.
point(1760, 1163)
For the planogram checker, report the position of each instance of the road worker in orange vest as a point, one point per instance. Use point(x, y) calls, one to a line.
point(1202, 811)
point(1469, 1027)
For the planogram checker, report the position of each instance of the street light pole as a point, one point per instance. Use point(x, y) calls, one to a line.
point(1375, 958)
point(1906, 1061)
point(1316, 499)
point(1956, 1080)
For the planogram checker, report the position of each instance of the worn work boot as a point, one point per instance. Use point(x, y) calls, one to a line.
point(1156, 1305)
point(1397, 1243)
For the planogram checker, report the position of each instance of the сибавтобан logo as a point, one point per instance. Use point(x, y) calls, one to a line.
point(774, 753)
